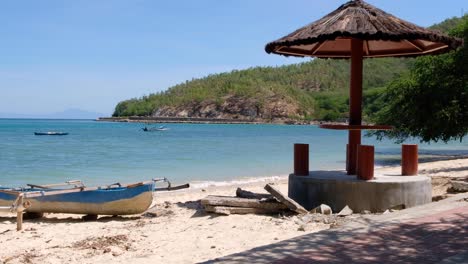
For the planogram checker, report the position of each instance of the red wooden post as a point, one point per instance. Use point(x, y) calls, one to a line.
point(409, 159)
point(301, 159)
point(365, 160)
point(355, 103)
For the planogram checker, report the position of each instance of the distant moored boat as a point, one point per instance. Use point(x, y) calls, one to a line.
point(149, 129)
point(50, 133)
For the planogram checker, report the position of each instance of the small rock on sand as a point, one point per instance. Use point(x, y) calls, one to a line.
point(345, 211)
point(322, 209)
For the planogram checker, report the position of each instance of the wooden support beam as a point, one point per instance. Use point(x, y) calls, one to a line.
point(19, 212)
point(250, 195)
point(290, 203)
point(241, 202)
point(355, 104)
point(18, 206)
point(225, 210)
point(301, 159)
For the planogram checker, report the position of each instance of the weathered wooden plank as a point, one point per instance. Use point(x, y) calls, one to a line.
point(290, 203)
point(226, 210)
point(19, 219)
point(241, 202)
point(251, 195)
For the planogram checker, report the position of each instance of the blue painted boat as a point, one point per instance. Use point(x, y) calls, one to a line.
point(51, 133)
point(108, 200)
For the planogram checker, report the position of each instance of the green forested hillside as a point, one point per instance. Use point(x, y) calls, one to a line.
point(313, 90)
point(318, 87)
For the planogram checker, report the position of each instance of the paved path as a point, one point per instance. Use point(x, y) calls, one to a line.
point(437, 233)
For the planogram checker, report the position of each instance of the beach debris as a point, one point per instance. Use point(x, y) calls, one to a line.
point(227, 201)
point(227, 210)
point(251, 195)
point(345, 211)
point(103, 242)
point(322, 209)
point(290, 203)
point(157, 212)
point(247, 202)
point(459, 186)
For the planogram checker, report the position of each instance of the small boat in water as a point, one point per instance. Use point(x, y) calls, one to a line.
point(160, 128)
point(74, 198)
point(50, 133)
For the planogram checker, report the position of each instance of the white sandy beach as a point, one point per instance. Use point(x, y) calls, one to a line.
point(183, 233)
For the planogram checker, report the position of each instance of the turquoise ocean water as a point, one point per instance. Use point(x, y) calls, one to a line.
point(102, 153)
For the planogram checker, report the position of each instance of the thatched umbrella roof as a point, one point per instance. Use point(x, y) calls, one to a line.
point(384, 35)
point(357, 30)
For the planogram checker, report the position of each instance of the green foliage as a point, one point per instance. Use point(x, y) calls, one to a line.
point(373, 100)
point(448, 24)
point(331, 106)
point(432, 101)
point(319, 87)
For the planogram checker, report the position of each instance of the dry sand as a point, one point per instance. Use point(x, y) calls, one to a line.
point(182, 234)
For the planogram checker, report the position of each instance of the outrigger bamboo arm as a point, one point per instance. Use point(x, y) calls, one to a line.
point(77, 184)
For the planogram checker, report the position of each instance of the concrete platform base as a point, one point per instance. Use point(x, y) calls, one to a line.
point(337, 189)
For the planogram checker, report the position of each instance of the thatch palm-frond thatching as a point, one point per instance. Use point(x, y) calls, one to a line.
point(383, 35)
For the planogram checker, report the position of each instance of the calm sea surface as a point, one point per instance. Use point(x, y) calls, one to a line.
point(101, 153)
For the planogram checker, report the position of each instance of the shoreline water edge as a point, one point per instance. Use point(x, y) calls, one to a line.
point(181, 231)
point(198, 120)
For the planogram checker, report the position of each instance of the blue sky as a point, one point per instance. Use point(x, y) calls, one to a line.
point(56, 55)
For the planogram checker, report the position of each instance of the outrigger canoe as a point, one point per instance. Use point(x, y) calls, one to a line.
point(50, 133)
point(115, 199)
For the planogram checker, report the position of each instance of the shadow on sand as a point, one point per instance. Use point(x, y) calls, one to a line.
point(50, 219)
point(424, 240)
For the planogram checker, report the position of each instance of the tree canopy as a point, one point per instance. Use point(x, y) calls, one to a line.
point(431, 101)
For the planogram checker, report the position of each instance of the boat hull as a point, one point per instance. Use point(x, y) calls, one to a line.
point(50, 133)
point(113, 201)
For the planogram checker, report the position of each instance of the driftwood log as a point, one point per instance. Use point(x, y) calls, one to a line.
point(290, 203)
point(241, 202)
point(227, 210)
point(251, 203)
point(251, 195)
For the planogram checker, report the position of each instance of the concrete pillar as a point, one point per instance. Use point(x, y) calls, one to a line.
point(301, 159)
point(365, 160)
point(409, 159)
